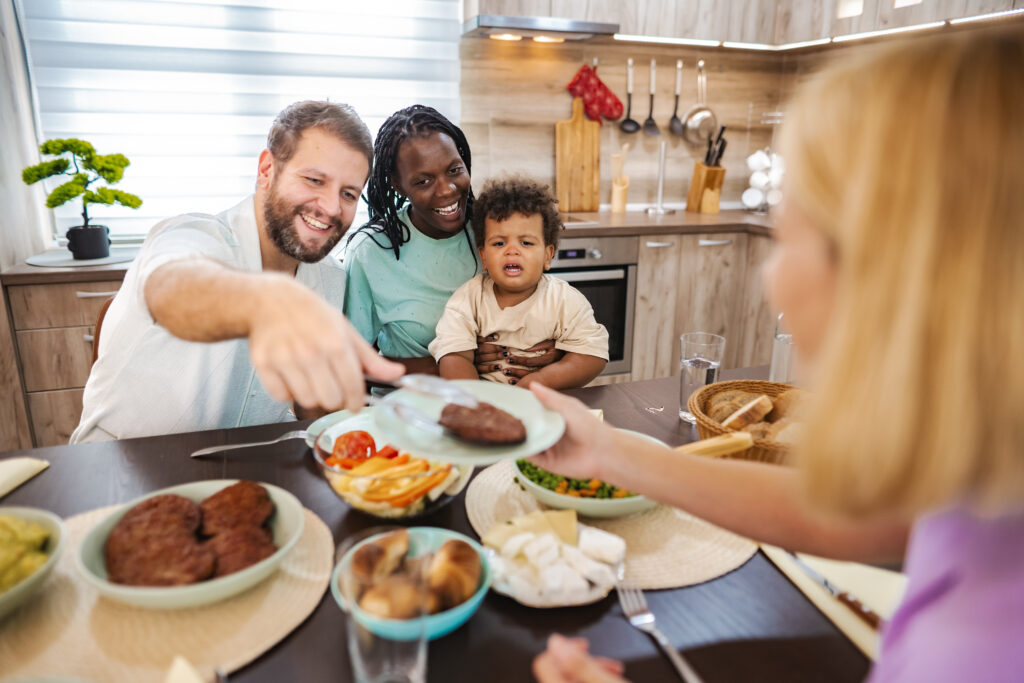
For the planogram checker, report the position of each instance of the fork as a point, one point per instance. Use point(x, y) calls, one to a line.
point(634, 606)
point(297, 434)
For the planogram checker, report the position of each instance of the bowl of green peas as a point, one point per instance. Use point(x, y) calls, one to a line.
point(588, 497)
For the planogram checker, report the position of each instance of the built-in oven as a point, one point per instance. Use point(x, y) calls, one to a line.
point(604, 270)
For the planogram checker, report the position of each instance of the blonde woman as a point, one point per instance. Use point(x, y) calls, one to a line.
point(899, 262)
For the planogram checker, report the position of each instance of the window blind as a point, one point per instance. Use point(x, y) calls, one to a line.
point(188, 90)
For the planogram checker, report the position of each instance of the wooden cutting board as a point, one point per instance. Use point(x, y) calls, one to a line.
point(577, 161)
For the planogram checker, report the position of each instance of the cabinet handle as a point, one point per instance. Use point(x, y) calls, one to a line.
point(713, 243)
point(656, 245)
point(89, 338)
point(95, 295)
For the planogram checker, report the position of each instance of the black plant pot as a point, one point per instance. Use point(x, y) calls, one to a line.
point(89, 242)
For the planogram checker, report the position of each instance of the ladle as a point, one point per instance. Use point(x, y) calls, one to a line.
point(650, 127)
point(676, 124)
point(628, 125)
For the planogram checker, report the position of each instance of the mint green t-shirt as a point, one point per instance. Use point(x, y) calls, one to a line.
point(396, 304)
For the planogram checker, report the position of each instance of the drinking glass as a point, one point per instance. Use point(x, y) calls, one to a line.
point(381, 652)
point(783, 367)
point(700, 357)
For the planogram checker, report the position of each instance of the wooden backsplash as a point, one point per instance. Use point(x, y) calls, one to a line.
point(513, 93)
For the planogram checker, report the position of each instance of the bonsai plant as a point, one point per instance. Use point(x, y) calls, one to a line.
point(89, 167)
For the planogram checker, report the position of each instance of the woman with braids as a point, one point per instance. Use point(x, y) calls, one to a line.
point(417, 248)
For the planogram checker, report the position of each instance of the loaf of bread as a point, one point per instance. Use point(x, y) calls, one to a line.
point(375, 561)
point(454, 573)
point(748, 414)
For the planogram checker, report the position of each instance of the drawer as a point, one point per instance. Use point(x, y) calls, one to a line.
point(58, 358)
point(36, 307)
point(55, 414)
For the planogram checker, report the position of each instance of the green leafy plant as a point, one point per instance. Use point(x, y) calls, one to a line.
point(89, 167)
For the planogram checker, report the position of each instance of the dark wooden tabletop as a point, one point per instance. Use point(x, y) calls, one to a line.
point(749, 625)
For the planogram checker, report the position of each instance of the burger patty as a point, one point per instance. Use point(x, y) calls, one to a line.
point(239, 548)
point(243, 504)
point(485, 424)
point(167, 507)
point(161, 561)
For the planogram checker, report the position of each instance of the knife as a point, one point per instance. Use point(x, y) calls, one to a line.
point(867, 614)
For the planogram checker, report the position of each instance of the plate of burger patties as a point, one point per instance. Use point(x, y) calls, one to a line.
point(508, 423)
point(191, 544)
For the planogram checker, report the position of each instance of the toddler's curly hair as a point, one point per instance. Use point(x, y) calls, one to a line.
point(501, 197)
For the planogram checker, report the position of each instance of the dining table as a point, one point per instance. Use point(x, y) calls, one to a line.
point(751, 624)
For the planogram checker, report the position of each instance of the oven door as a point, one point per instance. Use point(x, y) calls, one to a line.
point(610, 291)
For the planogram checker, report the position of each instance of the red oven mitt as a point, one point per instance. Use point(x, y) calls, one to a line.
point(598, 100)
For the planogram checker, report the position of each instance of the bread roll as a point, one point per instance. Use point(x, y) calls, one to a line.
point(725, 409)
point(786, 404)
point(374, 561)
point(399, 597)
point(454, 573)
point(729, 396)
point(759, 430)
point(749, 414)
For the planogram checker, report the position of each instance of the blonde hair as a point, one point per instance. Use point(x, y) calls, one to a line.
point(911, 162)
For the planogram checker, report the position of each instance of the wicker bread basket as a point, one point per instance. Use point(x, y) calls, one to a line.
point(762, 450)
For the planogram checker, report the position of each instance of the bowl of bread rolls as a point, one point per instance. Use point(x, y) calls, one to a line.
point(769, 411)
point(391, 580)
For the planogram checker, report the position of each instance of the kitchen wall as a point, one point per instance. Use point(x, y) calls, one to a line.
point(514, 92)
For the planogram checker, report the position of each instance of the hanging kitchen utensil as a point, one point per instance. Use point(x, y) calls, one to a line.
point(629, 125)
point(676, 125)
point(577, 162)
point(700, 121)
point(650, 127)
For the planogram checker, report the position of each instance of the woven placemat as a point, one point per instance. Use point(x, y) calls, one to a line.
point(71, 631)
point(665, 547)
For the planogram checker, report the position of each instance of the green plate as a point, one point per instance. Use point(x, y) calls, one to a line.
point(543, 427)
point(590, 507)
point(286, 526)
point(25, 589)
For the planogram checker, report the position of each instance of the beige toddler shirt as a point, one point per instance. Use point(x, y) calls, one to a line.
point(556, 310)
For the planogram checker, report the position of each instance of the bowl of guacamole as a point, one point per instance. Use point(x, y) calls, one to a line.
point(31, 540)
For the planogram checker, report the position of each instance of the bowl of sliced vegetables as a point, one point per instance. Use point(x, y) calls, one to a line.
point(588, 497)
point(375, 478)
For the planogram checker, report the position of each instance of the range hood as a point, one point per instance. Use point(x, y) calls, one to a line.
point(485, 25)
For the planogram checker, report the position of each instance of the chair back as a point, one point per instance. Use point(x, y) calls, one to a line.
point(96, 331)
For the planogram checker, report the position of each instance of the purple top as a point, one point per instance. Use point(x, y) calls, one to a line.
point(962, 618)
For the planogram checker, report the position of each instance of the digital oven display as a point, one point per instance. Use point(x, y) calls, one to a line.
point(572, 254)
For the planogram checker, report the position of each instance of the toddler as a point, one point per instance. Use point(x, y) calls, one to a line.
point(516, 226)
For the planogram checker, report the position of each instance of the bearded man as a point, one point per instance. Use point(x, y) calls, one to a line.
point(224, 321)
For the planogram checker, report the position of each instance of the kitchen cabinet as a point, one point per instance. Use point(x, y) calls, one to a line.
point(700, 283)
point(712, 269)
point(654, 318)
point(53, 330)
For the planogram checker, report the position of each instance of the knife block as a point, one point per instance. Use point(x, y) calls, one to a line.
point(705, 188)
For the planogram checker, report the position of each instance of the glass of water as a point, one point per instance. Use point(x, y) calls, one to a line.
point(783, 367)
point(700, 357)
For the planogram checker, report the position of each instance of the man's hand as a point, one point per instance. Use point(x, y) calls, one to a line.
point(305, 350)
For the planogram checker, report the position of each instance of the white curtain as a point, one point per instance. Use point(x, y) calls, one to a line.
point(188, 89)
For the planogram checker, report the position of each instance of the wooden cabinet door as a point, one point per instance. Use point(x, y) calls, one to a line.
point(758, 321)
point(710, 295)
point(655, 342)
point(57, 358)
point(55, 414)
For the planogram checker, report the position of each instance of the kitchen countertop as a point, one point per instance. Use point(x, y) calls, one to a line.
point(598, 224)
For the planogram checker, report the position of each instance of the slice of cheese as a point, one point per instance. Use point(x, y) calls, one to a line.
point(564, 524)
point(498, 535)
point(535, 522)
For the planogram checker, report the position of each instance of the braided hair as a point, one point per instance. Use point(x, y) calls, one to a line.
point(383, 200)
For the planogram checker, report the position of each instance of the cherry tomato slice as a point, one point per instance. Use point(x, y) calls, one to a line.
point(355, 445)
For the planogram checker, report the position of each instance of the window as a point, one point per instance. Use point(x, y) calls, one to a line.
point(850, 8)
point(188, 89)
